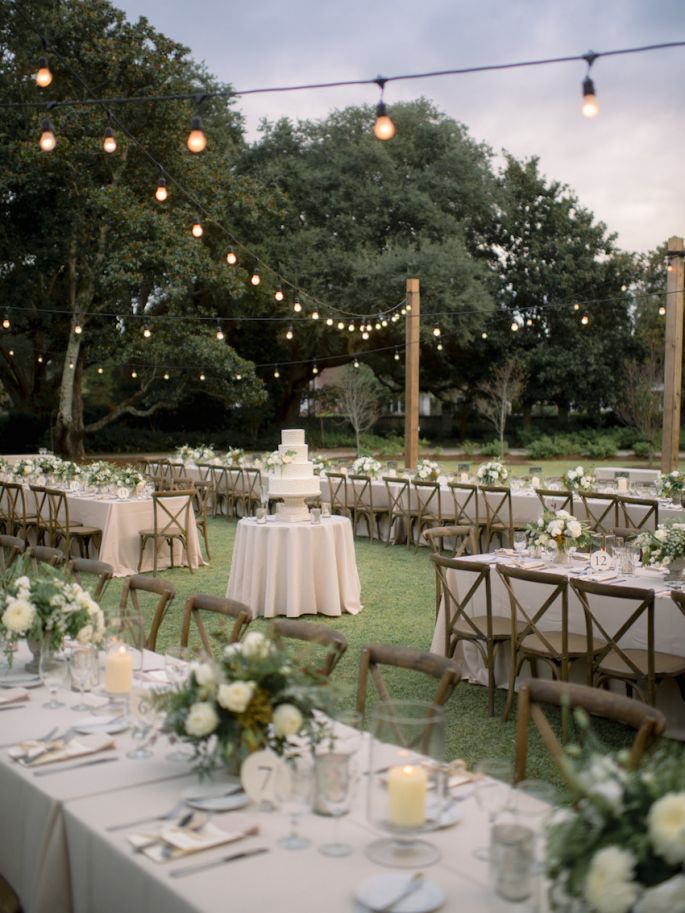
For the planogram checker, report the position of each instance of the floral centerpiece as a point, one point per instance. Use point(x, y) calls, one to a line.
point(578, 480)
point(492, 473)
point(22, 469)
point(321, 463)
point(278, 459)
point(257, 695)
point(664, 545)
point(187, 454)
point(47, 464)
point(560, 527)
point(44, 607)
point(366, 466)
point(100, 474)
point(671, 485)
point(623, 849)
point(234, 456)
point(427, 471)
point(129, 476)
point(67, 471)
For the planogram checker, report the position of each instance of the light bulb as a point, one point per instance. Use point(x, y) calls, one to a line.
point(585, 320)
point(329, 321)
point(408, 308)
point(43, 76)
point(351, 328)
point(377, 326)
point(197, 141)
point(109, 144)
point(403, 311)
point(439, 347)
point(365, 335)
point(161, 192)
point(278, 294)
point(436, 331)
point(78, 329)
point(255, 278)
point(277, 373)
point(40, 359)
point(669, 268)
point(383, 128)
point(11, 352)
point(239, 377)
point(134, 374)
point(101, 371)
point(166, 375)
point(624, 287)
point(341, 325)
point(231, 257)
point(662, 311)
point(315, 315)
point(397, 355)
point(514, 326)
point(589, 107)
point(297, 307)
point(219, 333)
point(384, 323)
point(197, 230)
point(6, 323)
point(356, 363)
point(315, 370)
point(289, 334)
point(147, 332)
point(529, 322)
point(202, 377)
point(483, 335)
point(576, 307)
point(47, 141)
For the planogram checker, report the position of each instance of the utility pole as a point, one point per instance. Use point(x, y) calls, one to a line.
point(411, 375)
point(673, 356)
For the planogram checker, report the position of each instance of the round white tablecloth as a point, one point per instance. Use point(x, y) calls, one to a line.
point(295, 569)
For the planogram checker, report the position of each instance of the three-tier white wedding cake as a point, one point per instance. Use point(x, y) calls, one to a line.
point(293, 479)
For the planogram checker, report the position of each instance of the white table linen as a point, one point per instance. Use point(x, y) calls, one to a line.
point(294, 569)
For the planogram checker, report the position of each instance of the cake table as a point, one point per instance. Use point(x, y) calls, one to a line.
point(283, 568)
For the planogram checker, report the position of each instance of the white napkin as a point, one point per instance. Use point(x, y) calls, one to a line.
point(175, 841)
point(156, 675)
point(602, 576)
point(13, 695)
point(58, 751)
point(650, 572)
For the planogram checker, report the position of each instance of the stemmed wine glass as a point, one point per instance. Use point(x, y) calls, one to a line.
point(492, 791)
point(53, 670)
point(336, 775)
point(83, 659)
point(519, 542)
point(177, 669)
point(145, 715)
point(534, 801)
point(294, 795)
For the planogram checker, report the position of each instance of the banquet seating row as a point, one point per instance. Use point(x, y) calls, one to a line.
point(12, 549)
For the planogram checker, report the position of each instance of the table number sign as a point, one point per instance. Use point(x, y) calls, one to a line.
point(600, 560)
point(260, 775)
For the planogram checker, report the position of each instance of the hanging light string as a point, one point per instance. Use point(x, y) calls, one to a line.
point(400, 77)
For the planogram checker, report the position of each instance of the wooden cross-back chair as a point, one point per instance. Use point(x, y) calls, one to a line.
point(78, 568)
point(555, 500)
point(425, 508)
point(601, 510)
point(360, 494)
point(337, 493)
point(229, 609)
point(498, 514)
point(535, 640)
point(234, 490)
point(648, 722)
point(206, 477)
point(220, 486)
point(202, 496)
point(466, 509)
point(637, 513)
point(334, 643)
point(466, 605)
point(11, 548)
point(165, 474)
point(251, 495)
point(610, 660)
point(397, 510)
point(171, 524)
point(140, 583)
point(15, 518)
point(41, 515)
point(61, 529)
point(465, 538)
point(44, 554)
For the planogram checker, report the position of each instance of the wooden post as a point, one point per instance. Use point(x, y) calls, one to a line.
point(411, 375)
point(673, 357)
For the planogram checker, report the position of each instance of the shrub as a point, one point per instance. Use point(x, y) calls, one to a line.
point(468, 447)
point(600, 447)
point(643, 448)
point(491, 449)
point(544, 448)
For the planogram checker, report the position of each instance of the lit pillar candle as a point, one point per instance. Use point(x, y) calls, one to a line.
point(118, 670)
point(622, 484)
point(464, 477)
point(535, 482)
point(407, 787)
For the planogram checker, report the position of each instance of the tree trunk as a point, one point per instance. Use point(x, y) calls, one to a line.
point(69, 430)
point(356, 434)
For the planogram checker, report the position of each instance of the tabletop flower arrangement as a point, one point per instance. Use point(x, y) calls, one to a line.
point(671, 485)
point(623, 848)
point(22, 469)
point(427, 471)
point(100, 474)
point(578, 480)
point(663, 545)
point(66, 471)
point(492, 473)
point(366, 466)
point(257, 695)
point(130, 477)
point(558, 527)
point(234, 456)
point(188, 454)
point(321, 463)
point(278, 459)
point(46, 607)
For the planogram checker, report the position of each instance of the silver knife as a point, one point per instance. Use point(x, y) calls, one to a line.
point(12, 706)
point(59, 770)
point(203, 866)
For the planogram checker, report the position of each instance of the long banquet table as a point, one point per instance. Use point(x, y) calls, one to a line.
point(56, 851)
point(669, 629)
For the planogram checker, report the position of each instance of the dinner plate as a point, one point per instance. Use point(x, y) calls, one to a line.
point(101, 724)
point(379, 890)
point(20, 681)
point(451, 814)
point(215, 797)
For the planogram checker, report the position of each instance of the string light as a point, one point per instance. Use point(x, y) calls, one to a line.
point(278, 294)
point(40, 359)
point(383, 129)
point(239, 377)
point(78, 329)
point(202, 377)
point(436, 331)
point(109, 143)
point(483, 335)
point(439, 347)
point(11, 352)
point(47, 141)
point(397, 355)
point(407, 308)
point(585, 320)
point(529, 322)
point(589, 106)
point(6, 322)
point(341, 325)
point(166, 375)
point(329, 321)
point(147, 332)
point(297, 307)
point(315, 369)
point(669, 268)
point(576, 307)
point(277, 373)
point(197, 230)
point(289, 334)
point(384, 323)
point(356, 363)
point(101, 371)
point(44, 75)
point(134, 374)
point(377, 325)
point(315, 315)
point(255, 278)
point(197, 141)
point(662, 311)
point(624, 287)
point(351, 328)
point(514, 326)
point(231, 257)
point(161, 192)
point(219, 333)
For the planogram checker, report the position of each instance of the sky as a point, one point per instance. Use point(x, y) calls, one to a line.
point(624, 165)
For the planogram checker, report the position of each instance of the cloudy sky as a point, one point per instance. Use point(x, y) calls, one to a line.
point(625, 165)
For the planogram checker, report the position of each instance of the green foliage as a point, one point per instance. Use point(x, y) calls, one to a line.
point(643, 448)
point(600, 447)
point(470, 448)
point(492, 448)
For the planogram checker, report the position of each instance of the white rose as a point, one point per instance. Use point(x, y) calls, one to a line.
point(661, 535)
point(232, 649)
point(204, 675)
point(667, 897)
point(287, 719)
point(574, 528)
point(609, 887)
point(256, 644)
point(579, 470)
point(85, 635)
point(23, 583)
point(666, 826)
point(609, 790)
point(236, 696)
point(202, 720)
point(554, 528)
point(18, 616)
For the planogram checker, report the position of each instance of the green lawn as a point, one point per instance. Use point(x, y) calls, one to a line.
point(399, 608)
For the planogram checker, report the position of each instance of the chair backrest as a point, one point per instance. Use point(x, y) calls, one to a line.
point(177, 470)
point(625, 532)
point(497, 500)
point(601, 510)
point(252, 484)
point(606, 629)
point(337, 485)
point(165, 473)
point(205, 471)
point(397, 490)
point(172, 512)
point(234, 481)
point(465, 537)
point(446, 671)
point(140, 583)
point(44, 554)
point(428, 502)
point(456, 601)
point(555, 500)
point(648, 722)
point(58, 513)
point(90, 567)
point(40, 505)
point(638, 513)
point(13, 501)
point(11, 547)
point(196, 605)
point(333, 641)
point(362, 492)
point(202, 494)
point(465, 499)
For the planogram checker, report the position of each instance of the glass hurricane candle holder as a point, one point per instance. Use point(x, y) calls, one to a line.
point(405, 782)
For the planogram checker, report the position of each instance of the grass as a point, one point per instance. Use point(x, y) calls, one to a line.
point(398, 593)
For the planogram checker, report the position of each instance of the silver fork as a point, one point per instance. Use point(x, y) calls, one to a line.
point(65, 738)
point(167, 816)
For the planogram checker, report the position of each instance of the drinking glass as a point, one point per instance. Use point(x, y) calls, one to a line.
point(83, 658)
point(336, 774)
point(534, 802)
point(315, 514)
point(294, 795)
point(177, 668)
point(145, 715)
point(260, 515)
point(519, 541)
point(53, 670)
point(493, 792)
point(325, 509)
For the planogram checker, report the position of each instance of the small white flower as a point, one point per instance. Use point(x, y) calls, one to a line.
point(666, 826)
point(574, 528)
point(236, 696)
point(661, 534)
point(85, 635)
point(287, 720)
point(18, 616)
point(202, 719)
point(255, 644)
point(609, 887)
point(205, 676)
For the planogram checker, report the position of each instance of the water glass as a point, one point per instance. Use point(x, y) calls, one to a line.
point(336, 775)
point(83, 658)
point(325, 509)
point(315, 514)
point(294, 789)
point(260, 515)
point(519, 541)
point(492, 792)
point(54, 672)
point(145, 714)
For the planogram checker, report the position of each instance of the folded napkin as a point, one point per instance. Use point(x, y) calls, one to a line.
point(580, 556)
point(157, 676)
point(505, 551)
point(169, 841)
point(32, 753)
point(602, 576)
point(13, 695)
point(533, 564)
